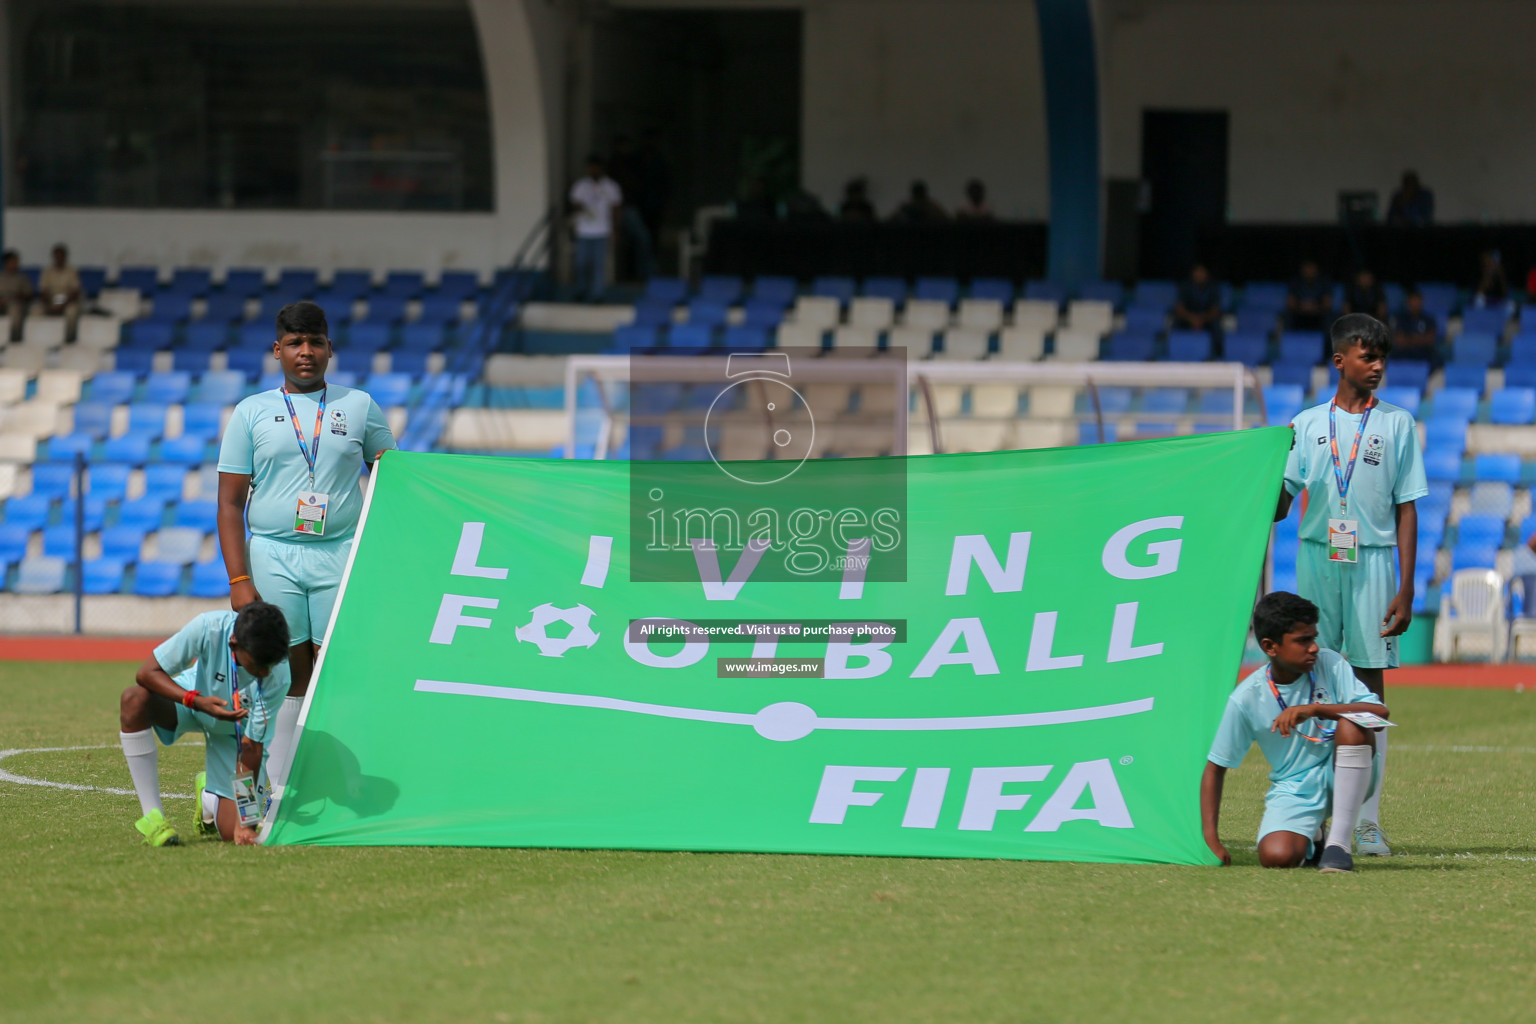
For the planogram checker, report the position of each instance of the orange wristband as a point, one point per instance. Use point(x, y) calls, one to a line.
point(238, 579)
point(188, 697)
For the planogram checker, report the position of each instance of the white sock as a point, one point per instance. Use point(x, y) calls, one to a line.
point(143, 756)
point(280, 757)
point(210, 806)
point(1370, 811)
point(1351, 779)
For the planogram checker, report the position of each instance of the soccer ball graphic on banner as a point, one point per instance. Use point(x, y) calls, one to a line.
point(578, 618)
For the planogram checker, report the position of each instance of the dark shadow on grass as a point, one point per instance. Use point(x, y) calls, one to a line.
point(332, 774)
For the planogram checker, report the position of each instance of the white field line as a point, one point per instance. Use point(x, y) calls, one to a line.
point(24, 780)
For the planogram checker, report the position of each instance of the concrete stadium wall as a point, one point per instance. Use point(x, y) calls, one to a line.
point(522, 49)
point(943, 91)
point(1327, 95)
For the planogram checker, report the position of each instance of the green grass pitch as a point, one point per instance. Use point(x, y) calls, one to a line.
point(95, 927)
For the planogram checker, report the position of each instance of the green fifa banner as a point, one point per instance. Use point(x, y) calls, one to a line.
point(1041, 682)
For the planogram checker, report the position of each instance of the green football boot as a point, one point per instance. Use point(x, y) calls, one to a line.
point(156, 830)
point(205, 829)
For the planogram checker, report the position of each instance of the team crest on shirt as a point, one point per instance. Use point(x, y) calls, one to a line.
point(1375, 446)
point(338, 422)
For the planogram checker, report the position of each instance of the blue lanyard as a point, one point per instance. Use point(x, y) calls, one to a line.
point(1341, 477)
point(1269, 677)
point(234, 700)
point(311, 452)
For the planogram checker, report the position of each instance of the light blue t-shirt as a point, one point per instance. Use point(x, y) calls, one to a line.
point(1389, 471)
point(260, 442)
point(203, 643)
point(1252, 710)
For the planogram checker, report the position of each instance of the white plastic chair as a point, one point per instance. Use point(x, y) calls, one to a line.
point(1474, 608)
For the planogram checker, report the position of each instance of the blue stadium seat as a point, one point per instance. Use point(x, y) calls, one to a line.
point(722, 288)
point(1520, 375)
point(156, 579)
point(1491, 498)
point(1522, 347)
point(201, 515)
point(744, 336)
point(191, 361)
point(193, 281)
point(187, 450)
point(338, 310)
point(1496, 466)
point(179, 545)
point(1251, 320)
point(1296, 374)
point(893, 288)
point(1404, 398)
point(223, 308)
point(149, 335)
point(1474, 556)
point(1459, 402)
point(271, 305)
point(762, 314)
point(424, 336)
point(209, 579)
point(245, 282)
point(1471, 376)
point(108, 481)
point(937, 289)
point(702, 313)
point(1442, 464)
point(273, 379)
point(142, 279)
point(1480, 530)
point(691, 336)
point(1282, 402)
point(1045, 291)
point(341, 378)
point(1514, 406)
point(386, 309)
point(54, 479)
point(137, 361)
point(653, 313)
point(774, 288)
point(94, 513)
point(668, 290)
point(103, 575)
point(1168, 400)
point(1113, 401)
point(404, 283)
point(14, 538)
point(220, 387)
point(147, 512)
point(206, 336)
point(122, 543)
point(439, 309)
point(1475, 348)
point(635, 336)
point(833, 287)
point(1446, 432)
point(1301, 347)
point(64, 447)
point(1186, 346)
point(167, 388)
point(999, 289)
point(250, 360)
point(147, 419)
point(389, 389)
point(353, 283)
point(1126, 347)
point(1268, 294)
point(458, 283)
point(1101, 291)
point(132, 448)
point(1248, 349)
point(1159, 294)
point(1408, 375)
point(59, 541)
point(41, 575)
point(170, 308)
point(1484, 320)
point(297, 283)
point(412, 361)
point(202, 419)
point(92, 280)
point(1146, 320)
point(368, 337)
point(29, 510)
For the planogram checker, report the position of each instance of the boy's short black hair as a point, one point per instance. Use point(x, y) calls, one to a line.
point(261, 629)
point(1361, 329)
point(1277, 614)
point(302, 318)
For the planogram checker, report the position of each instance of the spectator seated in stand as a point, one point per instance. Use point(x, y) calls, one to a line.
point(856, 207)
point(1412, 204)
point(975, 207)
point(1366, 296)
point(1309, 301)
point(1416, 336)
point(59, 289)
point(1492, 285)
point(919, 208)
point(1199, 305)
point(15, 292)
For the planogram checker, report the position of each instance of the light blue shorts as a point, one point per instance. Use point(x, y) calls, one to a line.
point(302, 579)
point(219, 738)
point(1302, 802)
point(1351, 601)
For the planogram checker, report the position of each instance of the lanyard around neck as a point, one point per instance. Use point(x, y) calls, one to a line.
point(311, 452)
point(1269, 677)
point(1342, 475)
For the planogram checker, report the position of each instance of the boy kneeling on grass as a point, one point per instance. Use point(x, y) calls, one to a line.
point(230, 676)
point(1319, 760)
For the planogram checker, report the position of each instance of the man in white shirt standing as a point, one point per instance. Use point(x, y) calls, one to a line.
point(596, 199)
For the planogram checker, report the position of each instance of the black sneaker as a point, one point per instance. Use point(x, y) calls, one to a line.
point(1335, 861)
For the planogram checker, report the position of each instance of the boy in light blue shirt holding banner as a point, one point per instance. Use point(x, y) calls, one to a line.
point(289, 466)
point(1314, 722)
point(224, 674)
point(1358, 464)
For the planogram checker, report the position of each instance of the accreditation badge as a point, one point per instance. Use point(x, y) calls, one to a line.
point(247, 798)
point(310, 517)
point(1344, 540)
